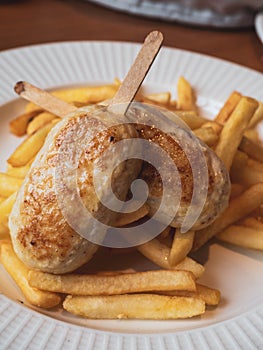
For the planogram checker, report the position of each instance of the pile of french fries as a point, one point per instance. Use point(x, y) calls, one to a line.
point(173, 291)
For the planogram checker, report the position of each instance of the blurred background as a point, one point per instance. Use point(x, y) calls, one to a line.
point(224, 29)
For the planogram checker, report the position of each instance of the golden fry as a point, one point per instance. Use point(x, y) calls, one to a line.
point(19, 172)
point(9, 184)
point(19, 125)
point(236, 190)
point(253, 223)
point(181, 246)
point(207, 135)
point(191, 118)
point(238, 208)
point(257, 117)
point(186, 99)
point(30, 147)
point(242, 236)
point(161, 98)
point(39, 121)
point(5, 209)
point(159, 253)
point(136, 306)
point(210, 296)
point(128, 218)
point(18, 271)
point(233, 130)
point(228, 107)
point(252, 149)
point(118, 284)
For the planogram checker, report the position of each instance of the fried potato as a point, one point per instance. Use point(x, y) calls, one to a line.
point(210, 296)
point(207, 135)
point(158, 253)
point(18, 271)
point(136, 306)
point(4, 232)
point(233, 130)
point(39, 121)
point(257, 117)
point(252, 149)
point(128, 218)
point(253, 223)
point(118, 284)
point(181, 246)
point(242, 236)
point(161, 98)
point(19, 172)
point(30, 147)
point(9, 184)
point(191, 118)
point(238, 208)
point(19, 125)
point(228, 107)
point(186, 99)
point(5, 209)
point(236, 190)
point(246, 175)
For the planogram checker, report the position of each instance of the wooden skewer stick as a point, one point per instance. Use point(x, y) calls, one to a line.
point(44, 99)
point(125, 94)
point(139, 69)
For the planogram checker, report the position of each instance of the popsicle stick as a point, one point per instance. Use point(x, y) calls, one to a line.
point(44, 99)
point(139, 69)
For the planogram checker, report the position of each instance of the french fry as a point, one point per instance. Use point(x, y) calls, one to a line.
point(186, 99)
point(242, 236)
point(159, 253)
point(233, 130)
point(257, 117)
point(5, 209)
point(252, 149)
point(2, 199)
point(162, 98)
point(210, 296)
point(19, 172)
point(181, 246)
point(128, 218)
point(39, 121)
point(30, 147)
point(207, 135)
point(228, 107)
point(136, 306)
point(238, 208)
point(19, 125)
point(247, 176)
point(109, 285)
point(18, 271)
point(253, 223)
point(9, 184)
point(214, 125)
point(191, 118)
point(85, 94)
point(4, 232)
point(255, 164)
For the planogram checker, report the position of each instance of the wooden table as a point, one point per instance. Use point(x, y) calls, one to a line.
point(37, 21)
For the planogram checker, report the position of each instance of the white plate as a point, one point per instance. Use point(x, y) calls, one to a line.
point(238, 321)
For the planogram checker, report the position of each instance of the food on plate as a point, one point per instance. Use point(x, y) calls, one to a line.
point(136, 282)
point(18, 271)
point(136, 306)
point(240, 223)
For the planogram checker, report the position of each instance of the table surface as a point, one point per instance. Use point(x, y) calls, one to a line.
point(29, 22)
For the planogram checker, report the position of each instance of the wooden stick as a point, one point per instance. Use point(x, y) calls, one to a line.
point(139, 69)
point(43, 99)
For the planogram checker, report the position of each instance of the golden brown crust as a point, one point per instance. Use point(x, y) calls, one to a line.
point(41, 235)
